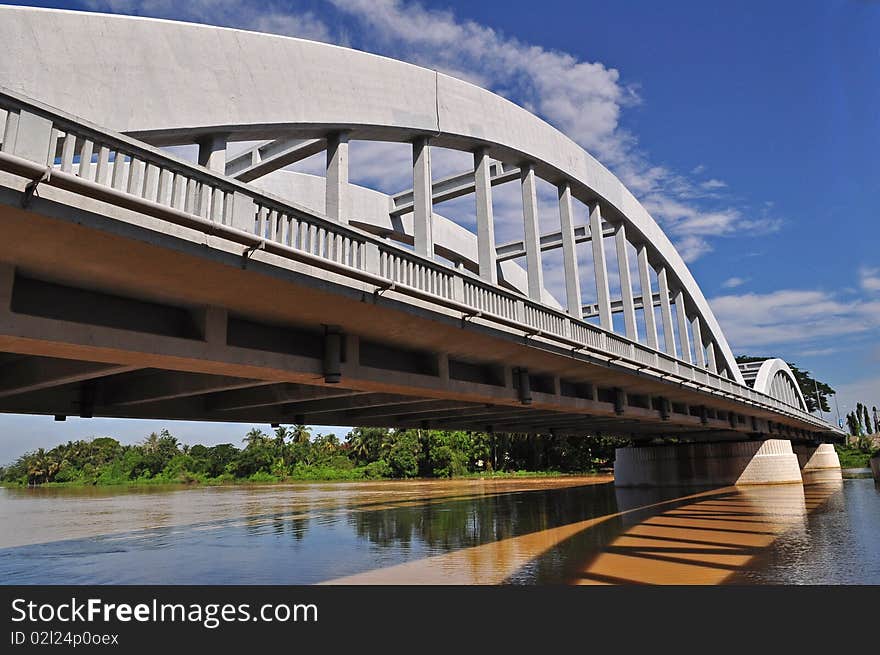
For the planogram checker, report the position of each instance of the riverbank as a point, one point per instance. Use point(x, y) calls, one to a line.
point(852, 457)
point(267, 479)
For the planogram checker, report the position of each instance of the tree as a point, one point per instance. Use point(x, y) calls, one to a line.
point(852, 423)
point(403, 453)
point(255, 437)
point(366, 443)
point(876, 420)
point(300, 434)
point(860, 417)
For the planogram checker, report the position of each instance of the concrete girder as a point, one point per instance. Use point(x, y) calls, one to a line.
point(270, 156)
point(283, 394)
point(408, 408)
point(617, 306)
point(550, 241)
point(158, 386)
point(347, 403)
point(455, 186)
point(38, 373)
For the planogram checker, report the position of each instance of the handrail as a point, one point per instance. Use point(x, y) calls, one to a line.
point(153, 182)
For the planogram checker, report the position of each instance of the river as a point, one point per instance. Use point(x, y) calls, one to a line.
point(570, 530)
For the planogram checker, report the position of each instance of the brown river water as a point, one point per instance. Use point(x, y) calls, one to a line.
point(569, 530)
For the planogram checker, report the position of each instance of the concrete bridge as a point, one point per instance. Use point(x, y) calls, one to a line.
point(134, 283)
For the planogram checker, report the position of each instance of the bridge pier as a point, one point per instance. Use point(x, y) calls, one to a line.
point(707, 464)
point(819, 463)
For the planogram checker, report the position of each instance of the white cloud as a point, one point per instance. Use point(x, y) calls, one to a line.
point(754, 320)
point(733, 282)
point(869, 279)
point(818, 352)
point(713, 184)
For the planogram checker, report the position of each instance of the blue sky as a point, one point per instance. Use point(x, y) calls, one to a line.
point(750, 130)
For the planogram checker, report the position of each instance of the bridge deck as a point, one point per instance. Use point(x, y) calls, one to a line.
point(230, 305)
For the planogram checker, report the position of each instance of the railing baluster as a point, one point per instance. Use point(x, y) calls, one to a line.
point(67, 152)
point(166, 181)
point(85, 159)
point(151, 183)
point(119, 178)
point(135, 184)
point(191, 205)
point(103, 167)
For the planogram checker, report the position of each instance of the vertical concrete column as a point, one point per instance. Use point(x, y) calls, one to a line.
point(647, 295)
point(336, 201)
point(626, 294)
point(212, 153)
point(666, 312)
point(532, 235)
point(422, 206)
point(681, 314)
point(600, 266)
point(214, 325)
point(698, 342)
point(710, 353)
point(485, 219)
point(569, 253)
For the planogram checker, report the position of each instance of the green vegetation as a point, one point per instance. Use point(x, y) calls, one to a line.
point(292, 453)
point(857, 454)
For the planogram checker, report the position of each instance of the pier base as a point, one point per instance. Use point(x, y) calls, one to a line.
point(714, 464)
point(818, 463)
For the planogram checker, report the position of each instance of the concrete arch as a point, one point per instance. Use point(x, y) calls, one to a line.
point(170, 82)
point(775, 378)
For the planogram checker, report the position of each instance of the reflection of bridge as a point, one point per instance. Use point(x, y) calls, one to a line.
point(136, 284)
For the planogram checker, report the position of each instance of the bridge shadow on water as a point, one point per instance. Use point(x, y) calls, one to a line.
point(656, 536)
point(706, 538)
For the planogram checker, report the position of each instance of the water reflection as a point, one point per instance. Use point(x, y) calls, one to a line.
point(538, 531)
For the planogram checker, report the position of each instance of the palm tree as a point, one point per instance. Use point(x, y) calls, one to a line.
point(300, 434)
point(358, 445)
point(36, 468)
point(151, 443)
point(255, 437)
point(281, 436)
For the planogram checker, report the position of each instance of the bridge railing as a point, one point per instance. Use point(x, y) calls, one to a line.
point(50, 147)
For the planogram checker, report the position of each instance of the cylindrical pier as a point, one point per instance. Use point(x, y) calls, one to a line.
point(819, 463)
